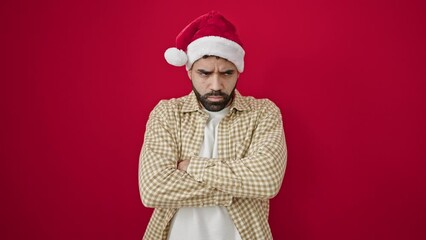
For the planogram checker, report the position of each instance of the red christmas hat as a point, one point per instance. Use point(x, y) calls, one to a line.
point(209, 34)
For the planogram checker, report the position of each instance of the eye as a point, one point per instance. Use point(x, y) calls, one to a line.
point(228, 73)
point(203, 73)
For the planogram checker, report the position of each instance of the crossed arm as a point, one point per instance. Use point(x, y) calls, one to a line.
point(168, 182)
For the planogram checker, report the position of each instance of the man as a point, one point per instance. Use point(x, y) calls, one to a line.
point(211, 160)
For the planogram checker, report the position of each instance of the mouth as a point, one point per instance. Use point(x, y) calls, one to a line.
point(215, 98)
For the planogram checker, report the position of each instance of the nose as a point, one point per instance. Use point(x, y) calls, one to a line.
point(216, 82)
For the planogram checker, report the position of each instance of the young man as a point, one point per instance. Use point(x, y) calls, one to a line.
point(211, 160)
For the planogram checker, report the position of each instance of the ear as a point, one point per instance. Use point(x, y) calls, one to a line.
point(190, 74)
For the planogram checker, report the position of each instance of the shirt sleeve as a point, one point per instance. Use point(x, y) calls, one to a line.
point(161, 184)
point(260, 172)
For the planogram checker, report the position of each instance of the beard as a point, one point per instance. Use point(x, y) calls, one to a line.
point(214, 106)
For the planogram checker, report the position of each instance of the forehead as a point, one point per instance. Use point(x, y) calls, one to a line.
point(213, 62)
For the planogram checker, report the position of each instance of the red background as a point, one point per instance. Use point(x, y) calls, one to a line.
point(79, 78)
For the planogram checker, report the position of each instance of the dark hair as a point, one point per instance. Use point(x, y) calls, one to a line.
point(207, 56)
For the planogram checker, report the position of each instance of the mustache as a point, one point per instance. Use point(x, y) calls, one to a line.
point(215, 93)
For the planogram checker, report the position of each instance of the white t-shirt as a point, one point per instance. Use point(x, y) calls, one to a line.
point(205, 223)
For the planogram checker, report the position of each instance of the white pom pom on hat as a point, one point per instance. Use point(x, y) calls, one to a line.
point(209, 34)
point(175, 57)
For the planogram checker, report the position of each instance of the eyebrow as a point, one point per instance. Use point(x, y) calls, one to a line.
point(204, 71)
point(229, 71)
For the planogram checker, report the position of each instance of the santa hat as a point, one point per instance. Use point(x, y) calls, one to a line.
point(209, 34)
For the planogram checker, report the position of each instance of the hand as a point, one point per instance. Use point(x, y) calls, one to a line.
point(183, 165)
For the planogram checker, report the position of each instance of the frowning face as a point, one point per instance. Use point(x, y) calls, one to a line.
point(213, 80)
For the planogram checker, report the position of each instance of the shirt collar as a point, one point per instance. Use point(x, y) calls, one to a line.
point(191, 104)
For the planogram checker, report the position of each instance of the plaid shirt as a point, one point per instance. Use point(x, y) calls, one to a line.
point(248, 172)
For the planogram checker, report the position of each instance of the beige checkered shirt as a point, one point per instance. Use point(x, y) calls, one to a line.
point(249, 171)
